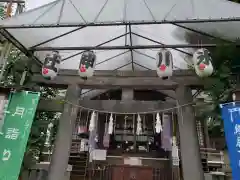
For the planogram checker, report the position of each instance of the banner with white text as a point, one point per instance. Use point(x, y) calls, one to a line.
point(15, 132)
point(231, 118)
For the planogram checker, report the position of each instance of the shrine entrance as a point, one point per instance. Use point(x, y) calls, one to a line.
point(125, 153)
point(89, 47)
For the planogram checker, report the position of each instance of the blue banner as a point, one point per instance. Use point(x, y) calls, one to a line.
point(231, 118)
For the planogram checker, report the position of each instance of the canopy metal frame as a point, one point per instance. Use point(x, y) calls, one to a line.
point(29, 52)
point(133, 47)
point(13, 1)
point(57, 25)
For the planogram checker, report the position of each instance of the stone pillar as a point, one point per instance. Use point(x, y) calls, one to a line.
point(62, 146)
point(189, 145)
point(175, 168)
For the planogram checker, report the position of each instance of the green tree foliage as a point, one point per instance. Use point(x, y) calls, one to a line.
point(219, 86)
point(17, 63)
point(2, 10)
point(236, 1)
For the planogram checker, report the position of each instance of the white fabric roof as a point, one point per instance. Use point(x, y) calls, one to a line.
point(82, 11)
point(100, 11)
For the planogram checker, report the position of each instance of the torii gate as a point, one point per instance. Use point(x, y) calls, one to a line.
point(53, 28)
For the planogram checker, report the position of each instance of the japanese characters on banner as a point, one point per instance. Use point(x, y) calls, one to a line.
point(231, 118)
point(203, 63)
point(164, 62)
point(51, 65)
point(17, 125)
point(87, 64)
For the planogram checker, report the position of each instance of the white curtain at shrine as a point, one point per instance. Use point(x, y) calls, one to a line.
point(106, 137)
point(166, 133)
point(92, 138)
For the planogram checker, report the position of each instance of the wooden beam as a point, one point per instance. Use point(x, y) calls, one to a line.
point(50, 105)
point(169, 93)
point(114, 82)
point(117, 73)
point(121, 79)
point(117, 106)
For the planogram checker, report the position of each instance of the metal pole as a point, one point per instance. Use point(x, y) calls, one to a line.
point(76, 48)
point(114, 23)
point(59, 36)
point(157, 42)
point(13, 1)
point(131, 43)
point(106, 42)
point(202, 33)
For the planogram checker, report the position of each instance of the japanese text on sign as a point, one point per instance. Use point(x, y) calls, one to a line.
point(6, 155)
point(19, 112)
point(237, 133)
point(12, 133)
point(18, 119)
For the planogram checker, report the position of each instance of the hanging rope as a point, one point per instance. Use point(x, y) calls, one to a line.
point(109, 112)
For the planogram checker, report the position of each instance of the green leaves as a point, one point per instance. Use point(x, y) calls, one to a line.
point(218, 87)
point(17, 62)
point(2, 11)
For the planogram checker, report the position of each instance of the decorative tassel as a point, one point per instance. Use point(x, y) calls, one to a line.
point(92, 122)
point(175, 154)
point(82, 146)
point(110, 125)
point(174, 147)
point(48, 136)
point(158, 126)
point(139, 125)
point(174, 141)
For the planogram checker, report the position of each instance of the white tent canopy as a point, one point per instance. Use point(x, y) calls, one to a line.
point(102, 11)
point(85, 12)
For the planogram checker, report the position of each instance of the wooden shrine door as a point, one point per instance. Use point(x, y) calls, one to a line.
point(132, 173)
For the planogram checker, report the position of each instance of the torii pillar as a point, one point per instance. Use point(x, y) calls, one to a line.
point(189, 145)
point(63, 142)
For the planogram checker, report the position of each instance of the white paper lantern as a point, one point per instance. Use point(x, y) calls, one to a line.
point(202, 63)
point(51, 65)
point(87, 64)
point(164, 63)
